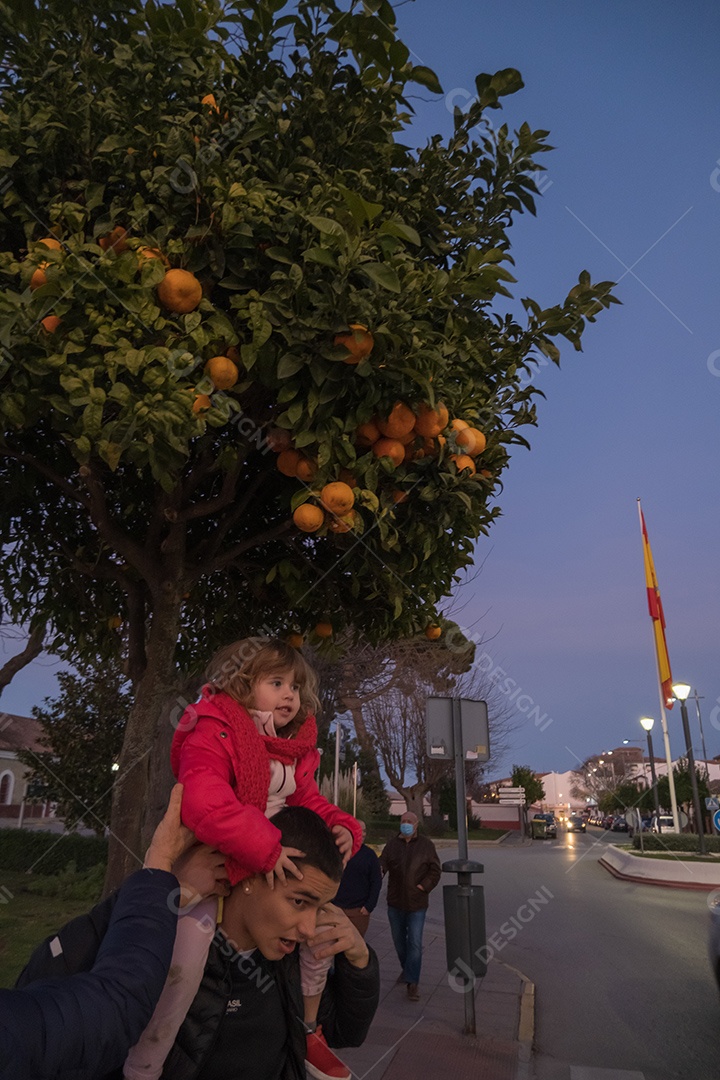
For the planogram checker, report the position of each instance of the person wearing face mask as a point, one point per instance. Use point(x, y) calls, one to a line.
point(413, 868)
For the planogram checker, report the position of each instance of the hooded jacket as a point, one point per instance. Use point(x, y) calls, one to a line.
point(218, 753)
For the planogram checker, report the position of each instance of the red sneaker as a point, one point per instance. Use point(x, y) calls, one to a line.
point(320, 1061)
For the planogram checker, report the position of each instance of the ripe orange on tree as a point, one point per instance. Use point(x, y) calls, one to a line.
point(391, 448)
point(278, 439)
point(471, 441)
point(146, 253)
point(201, 404)
point(432, 632)
point(295, 641)
point(342, 524)
point(211, 103)
point(306, 469)
point(347, 478)
point(430, 422)
point(114, 622)
point(463, 461)
point(222, 371)
point(324, 630)
point(309, 518)
point(179, 291)
point(116, 240)
point(51, 242)
point(368, 433)
point(337, 497)
point(400, 422)
point(399, 496)
point(458, 425)
point(287, 462)
point(50, 323)
point(39, 278)
point(359, 343)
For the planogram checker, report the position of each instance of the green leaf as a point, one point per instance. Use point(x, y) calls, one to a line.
point(425, 76)
point(289, 365)
point(7, 160)
point(326, 225)
point(383, 275)
point(405, 232)
point(320, 255)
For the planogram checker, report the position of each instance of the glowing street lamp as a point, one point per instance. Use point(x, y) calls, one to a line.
point(682, 692)
point(647, 723)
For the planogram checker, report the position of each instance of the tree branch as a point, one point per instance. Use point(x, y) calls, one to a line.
point(246, 545)
point(219, 502)
point(16, 663)
point(48, 473)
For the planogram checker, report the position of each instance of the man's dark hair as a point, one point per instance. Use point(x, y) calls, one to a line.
point(303, 829)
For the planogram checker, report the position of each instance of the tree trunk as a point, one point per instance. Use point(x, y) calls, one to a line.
point(414, 798)
point(367, 744)
point(161, 780)
point(154, 690)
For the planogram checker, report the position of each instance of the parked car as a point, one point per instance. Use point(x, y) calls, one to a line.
point(619, 824)
point(607, 821)
point(550, 824)
point(575, 823)
point(666, 823)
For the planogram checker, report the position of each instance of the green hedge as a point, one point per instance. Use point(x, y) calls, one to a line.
point(675, 842)
point(49, 853)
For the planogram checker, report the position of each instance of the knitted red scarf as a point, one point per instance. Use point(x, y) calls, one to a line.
point(286, 751)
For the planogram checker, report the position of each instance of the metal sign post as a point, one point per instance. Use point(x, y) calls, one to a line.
point(456, 727)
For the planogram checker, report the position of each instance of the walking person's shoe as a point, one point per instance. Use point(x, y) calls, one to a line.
point(320, 1062)
point(412, 992)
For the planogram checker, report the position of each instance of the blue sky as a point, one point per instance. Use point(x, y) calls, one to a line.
point(630, 94)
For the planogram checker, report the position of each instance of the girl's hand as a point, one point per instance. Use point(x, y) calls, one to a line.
point(344, 840)
point(285, 865)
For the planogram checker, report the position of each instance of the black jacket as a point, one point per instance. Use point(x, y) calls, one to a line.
point(346, 1010)
point(78, 1028)
point(409, 863)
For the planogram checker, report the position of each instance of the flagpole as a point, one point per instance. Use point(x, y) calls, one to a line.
point(663, 717)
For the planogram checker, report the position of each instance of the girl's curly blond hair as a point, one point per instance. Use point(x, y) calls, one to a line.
point(236, 669)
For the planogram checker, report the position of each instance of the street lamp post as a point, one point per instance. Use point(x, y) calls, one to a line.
point(681, 692)
point(647, 722)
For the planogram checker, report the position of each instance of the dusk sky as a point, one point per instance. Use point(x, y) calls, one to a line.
point(631, 96)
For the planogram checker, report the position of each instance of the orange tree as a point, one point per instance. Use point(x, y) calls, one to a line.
point(231, 290)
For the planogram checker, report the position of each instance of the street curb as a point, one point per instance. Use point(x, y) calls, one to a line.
point(697, 886)
point(526, 1023)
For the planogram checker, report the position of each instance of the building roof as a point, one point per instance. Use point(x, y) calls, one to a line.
point(20, 733)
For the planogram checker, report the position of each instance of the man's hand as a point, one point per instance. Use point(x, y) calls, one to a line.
point(344, 841)
point(171, 838)
point(420, 888)
point(201, 872)
point(336, 934)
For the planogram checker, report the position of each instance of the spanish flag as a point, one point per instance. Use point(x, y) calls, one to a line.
point(656, 614)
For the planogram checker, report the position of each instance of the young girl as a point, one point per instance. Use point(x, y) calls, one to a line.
point(246, 749)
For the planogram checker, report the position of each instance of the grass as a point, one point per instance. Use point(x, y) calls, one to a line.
point(25, 920)
point(682, 856)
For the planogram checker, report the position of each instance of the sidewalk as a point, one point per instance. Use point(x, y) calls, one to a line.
point(424, 1039)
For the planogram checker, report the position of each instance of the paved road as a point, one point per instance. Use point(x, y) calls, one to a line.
point(621, 970)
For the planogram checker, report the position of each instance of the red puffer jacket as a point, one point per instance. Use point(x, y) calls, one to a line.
point(224, 764)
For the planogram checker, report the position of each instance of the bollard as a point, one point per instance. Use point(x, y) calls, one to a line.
point(464, 907)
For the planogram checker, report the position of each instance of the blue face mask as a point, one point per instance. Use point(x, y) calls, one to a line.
point(407, 828)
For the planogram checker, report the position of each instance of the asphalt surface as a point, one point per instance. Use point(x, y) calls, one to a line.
point(624, 989)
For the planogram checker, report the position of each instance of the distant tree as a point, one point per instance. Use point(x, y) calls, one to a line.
point(683, 787)
point(524, 777)
point(83, 733)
